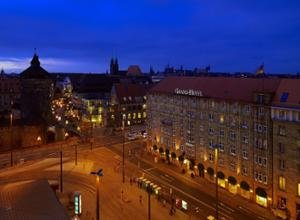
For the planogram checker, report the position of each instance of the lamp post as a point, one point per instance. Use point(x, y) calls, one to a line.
point(61, 165)
point(217, 189)
point(76, 154)
point(98, 174)
point(149, 201)
point(11, 138)
point(123, 151)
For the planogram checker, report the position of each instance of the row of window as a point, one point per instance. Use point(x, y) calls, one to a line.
point(282, 185)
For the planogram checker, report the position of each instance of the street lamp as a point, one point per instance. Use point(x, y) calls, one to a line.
point(61, 164)
point(123, 150)
point(11, 139)
point(98, 174)
point(149, 190)
point(217, 198)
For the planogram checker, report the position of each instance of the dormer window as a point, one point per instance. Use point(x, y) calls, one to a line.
point(124, 98)
point(284, 97)
point(129, 98)
point(260, 98)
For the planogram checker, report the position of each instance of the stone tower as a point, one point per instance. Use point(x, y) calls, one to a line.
point(36, 94)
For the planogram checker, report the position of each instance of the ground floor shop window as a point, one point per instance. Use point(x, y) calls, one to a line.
point(261, 197)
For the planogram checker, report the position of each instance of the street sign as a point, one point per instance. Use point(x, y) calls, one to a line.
point(77, 203)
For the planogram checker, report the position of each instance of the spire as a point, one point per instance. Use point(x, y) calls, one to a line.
point(261, 70)
point(35, 59)
point(2, 72)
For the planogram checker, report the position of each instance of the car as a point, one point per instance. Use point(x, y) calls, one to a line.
point(131, 136)
point(145, 135)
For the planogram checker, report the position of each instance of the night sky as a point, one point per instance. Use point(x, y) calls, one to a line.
point(82, 35)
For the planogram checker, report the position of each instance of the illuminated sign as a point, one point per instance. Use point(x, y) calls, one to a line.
point(77, 203)
point(184, 205)
point(189, 92)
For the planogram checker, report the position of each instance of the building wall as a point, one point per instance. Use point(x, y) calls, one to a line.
point(286, 144)
point(9, 91)
point(241, 131)
point(36, 96)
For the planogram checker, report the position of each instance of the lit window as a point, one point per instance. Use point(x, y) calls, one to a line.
point(139, 115)
point(222, 119)
point(134, 115)
point(281, 183)
point(298, 190)
point(144, 114)
point(144, 106)
point(129, 116)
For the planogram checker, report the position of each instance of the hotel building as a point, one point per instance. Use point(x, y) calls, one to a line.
point(286, 147)
point(197, 115)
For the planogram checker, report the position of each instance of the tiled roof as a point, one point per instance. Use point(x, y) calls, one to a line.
point(35, 71)
point(288, 93)
point(134, 70)
point(227, 88)
point(30, 201)
point(129, 90)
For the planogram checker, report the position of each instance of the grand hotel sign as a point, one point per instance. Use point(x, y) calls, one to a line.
point(189, 92)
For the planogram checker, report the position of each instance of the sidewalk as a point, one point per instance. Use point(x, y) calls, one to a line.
point(209, 188)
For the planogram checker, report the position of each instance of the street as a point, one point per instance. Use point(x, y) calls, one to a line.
point(43, 162)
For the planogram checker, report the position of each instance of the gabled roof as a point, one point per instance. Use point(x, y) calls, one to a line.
point(35, 71)
point(227, 88)
point(288, 93)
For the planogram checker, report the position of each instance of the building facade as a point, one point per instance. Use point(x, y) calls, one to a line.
point(286, 146)
point(196, 117)
point(128, 103)
point(36, 94)
point(9, 93)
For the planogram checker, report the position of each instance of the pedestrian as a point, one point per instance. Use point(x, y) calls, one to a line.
point(141, 199)
point(130, 181)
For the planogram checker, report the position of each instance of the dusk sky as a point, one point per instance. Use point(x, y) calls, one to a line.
point(82, 35)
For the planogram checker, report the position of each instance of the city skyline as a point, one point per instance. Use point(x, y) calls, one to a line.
point(80, 37)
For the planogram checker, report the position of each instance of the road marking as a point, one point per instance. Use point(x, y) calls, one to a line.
point(188, 195)
point(149, 169)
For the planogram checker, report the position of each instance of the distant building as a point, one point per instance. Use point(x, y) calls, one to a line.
point(286, 148)
point(128, 103)
point(9, 94)
point(36, 94)
point(134, 70)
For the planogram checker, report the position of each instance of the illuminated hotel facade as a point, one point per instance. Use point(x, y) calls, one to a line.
point(197, 115)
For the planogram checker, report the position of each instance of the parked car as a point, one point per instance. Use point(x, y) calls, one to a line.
point(131, 136)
